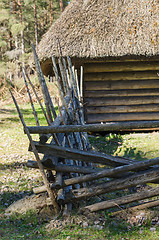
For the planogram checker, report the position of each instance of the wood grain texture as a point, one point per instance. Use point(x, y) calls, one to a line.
point(105, 76)
point(118, 184)
point(121, 66)
point(117, 85)
point(97, 118)
point(111, 101)
point(123, 109)
point(121, 92)
point(123, 200)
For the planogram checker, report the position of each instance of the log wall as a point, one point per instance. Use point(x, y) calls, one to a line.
point(121, 91)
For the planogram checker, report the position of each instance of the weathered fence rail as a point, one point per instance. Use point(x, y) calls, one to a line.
point(113, 126)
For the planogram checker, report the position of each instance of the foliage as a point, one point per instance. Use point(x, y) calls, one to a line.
point(21, 22)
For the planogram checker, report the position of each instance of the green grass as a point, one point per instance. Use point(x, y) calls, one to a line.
point(9, 116)
point(133, 145)
point(16, 181)
point(31, 226)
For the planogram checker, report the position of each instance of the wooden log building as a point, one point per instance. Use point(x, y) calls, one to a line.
point(117, 43)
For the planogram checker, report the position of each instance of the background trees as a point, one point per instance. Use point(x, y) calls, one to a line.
point(23, 22)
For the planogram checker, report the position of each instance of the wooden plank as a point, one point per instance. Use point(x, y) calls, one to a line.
point(123, 109)
point(121, 66)
point(117, 85)
point(81, 155)
point(120, 93)
point(111, 101)
point(105, 76)
point(106, 117)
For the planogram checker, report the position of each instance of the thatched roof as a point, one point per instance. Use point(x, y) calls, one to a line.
point(104, 28)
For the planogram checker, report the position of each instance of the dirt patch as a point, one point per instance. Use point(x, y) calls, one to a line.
point(33, 202)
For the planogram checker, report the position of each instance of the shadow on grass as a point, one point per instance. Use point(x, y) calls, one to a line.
point(133, 153)
point(27, 114)
point(8, 197)
point(13, 165)
point(8, 119)
point(113, 143)
point(7, 111)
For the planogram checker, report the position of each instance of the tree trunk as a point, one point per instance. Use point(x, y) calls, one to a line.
point(16, 40)
point(61, 5)
point(22, 32)
point(36, 23)
point(10, 41)
point(50, 12)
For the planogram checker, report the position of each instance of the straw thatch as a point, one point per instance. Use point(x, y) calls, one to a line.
point(104, 28)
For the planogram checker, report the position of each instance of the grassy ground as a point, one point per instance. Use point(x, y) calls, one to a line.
point(17, 181)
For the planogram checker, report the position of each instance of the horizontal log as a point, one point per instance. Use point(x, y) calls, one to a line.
point(121, 66)
point(123, 109)
point(42, 189)
point(104, 76)
point(113, 126)
point(63, 168)
point(117, 85)
point(118, 184)
point(121, 93)
point(145, 205)
point(118, 172)
point(111, 101)
point(107, 117)
point(123, 200)
point(112, 172)
point(108, 173)
point(141, 206)
point(80, 155)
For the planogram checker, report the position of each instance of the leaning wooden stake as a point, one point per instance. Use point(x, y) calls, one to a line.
point(51, 195)
point(49, 172)
point(38, 99)
point(46, 117)
point(44, 88)
point(31, 101)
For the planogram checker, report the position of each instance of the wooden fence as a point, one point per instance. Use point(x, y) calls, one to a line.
point(69, 166)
